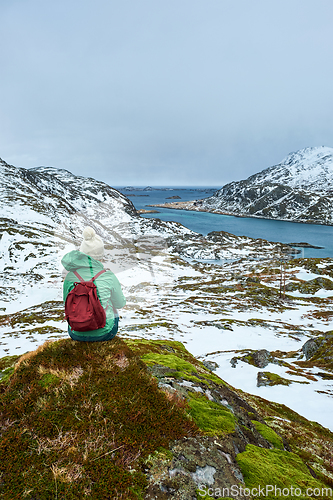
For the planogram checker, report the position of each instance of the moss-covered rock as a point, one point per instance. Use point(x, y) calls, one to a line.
point(75, 419)
point(308, 440)
point(278, 473)
point(259, 358)
point(269, 378)
point(269, 434)
point(213, 418)
point(310, 286)
point(318, 352)
point(129, 419)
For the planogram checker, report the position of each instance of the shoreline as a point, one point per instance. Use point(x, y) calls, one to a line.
point(175, 206)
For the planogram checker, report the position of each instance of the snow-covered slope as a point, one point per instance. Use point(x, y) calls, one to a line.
point(55, 193)
point(42, 214)
point(309, 169)
point(297, 189)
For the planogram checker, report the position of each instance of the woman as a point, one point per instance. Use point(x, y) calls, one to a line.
point(83, 265)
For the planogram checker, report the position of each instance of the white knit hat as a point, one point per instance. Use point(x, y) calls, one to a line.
point(92, 244)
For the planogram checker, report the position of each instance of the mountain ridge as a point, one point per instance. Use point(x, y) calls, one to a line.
point(314, 159)
point(297, 189)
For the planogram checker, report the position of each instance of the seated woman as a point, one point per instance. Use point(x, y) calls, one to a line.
point(83, 265)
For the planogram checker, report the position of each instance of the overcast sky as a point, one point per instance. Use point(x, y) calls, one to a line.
point(164, 92)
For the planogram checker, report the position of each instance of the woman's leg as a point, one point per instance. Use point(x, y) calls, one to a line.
point(113, 332)
point(107, 336)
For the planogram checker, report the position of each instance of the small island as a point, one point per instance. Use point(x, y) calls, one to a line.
point(143, 211)
point(302, 244)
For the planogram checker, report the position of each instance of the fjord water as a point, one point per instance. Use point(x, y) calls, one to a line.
point(204, 222)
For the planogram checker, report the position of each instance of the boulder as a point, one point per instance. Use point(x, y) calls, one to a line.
point(310, 348)
point(261, 358)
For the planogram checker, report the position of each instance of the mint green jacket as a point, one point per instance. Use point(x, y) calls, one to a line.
point(108, 287)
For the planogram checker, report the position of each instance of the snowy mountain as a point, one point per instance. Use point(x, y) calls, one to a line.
point(41, 211)
point(308, 169)
point(297, 189)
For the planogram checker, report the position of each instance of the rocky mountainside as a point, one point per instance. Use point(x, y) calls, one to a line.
point(297, 189)
point(55, 193)
point(309, 169)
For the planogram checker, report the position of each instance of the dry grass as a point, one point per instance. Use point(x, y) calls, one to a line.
point(97, 443)
point(68, 474)
point(61, 442)
point(24, 359)
point(119, 360)
point(71, 377)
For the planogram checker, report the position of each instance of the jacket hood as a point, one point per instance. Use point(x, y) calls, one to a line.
point(76, 259)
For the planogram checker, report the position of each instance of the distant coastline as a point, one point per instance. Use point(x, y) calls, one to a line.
point(195, 206)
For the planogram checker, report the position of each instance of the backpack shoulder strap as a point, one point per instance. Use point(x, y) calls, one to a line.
point(98, 274)
point(78, 276)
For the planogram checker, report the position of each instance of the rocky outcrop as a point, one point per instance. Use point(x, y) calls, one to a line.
point(260, 358)
point(318, 352)
point(265, 379)
point(310, 348)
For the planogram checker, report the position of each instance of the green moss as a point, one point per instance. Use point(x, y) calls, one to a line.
point(181, 362)
point(8, 361)
point(141, 346)
point(170, 360)
point(5, 374)
point(274, 379)
point(179, 368)
point(309, 440)
point(159, 458)
point(212, 418)
point(269, 434)
point(49, 379)
point(261, 467)
point(214, 378)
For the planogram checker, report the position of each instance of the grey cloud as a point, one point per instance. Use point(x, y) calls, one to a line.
point(164, 92)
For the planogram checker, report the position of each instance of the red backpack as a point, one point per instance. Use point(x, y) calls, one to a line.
point(83, 310)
